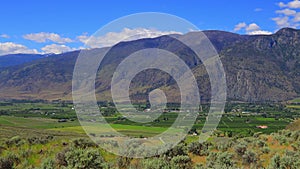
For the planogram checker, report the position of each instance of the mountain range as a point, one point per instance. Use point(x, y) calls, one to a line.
point(259, 68)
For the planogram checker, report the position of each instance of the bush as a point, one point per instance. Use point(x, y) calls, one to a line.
point(48, 164)
point(39, 140)
point(84, 158)
point(249, 157)
point(220, 160)
point(155, 163)
point(275, 162)
point(265, 150)
point(241, 148)
point(261, 143)
point(83, 143)
point(61, 158)
point(181, 162)
point(178, 150)
point(9, 161)
point(198, 148)
point(16, 140)
point(5, 163)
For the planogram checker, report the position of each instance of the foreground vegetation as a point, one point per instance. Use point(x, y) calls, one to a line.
point(32, 136)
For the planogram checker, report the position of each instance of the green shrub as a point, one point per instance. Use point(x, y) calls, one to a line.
point(9, 161)
point(249, 157)
point(5, 163)
point(219, 160)
point(155, 163)
point(48, 163)
point(83, 143)
point(198, 148)
point(240, 148)
point(14, 141)
point(265, 150)
point(181, 162)
point(85, 158)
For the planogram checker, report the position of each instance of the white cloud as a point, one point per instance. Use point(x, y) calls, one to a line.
point(13, 48)
point(54, 48)
point(282, 21)
point(46, 36)
point(240, 26)
point(4, 36)
point(288, 17)
point(259, 32)
point(293, 4)
point(126, 34)
point(286, 12)
point(252, 27)
point(297, 17)
point(258, 9)
point(281, 4)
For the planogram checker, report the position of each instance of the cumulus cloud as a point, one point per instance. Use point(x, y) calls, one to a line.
point(290, 16)
point(54, 48)
point(126, 34)
point(4, 36)
point(286, 12)
point(13, 48)
point(282, 21)
point(259, 32)
point(297, 17)
point(46, 36)
point(240, 26)
point(293, 4)
point(251, 29)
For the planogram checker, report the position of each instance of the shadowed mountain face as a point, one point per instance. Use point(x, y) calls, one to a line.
point(258, 68)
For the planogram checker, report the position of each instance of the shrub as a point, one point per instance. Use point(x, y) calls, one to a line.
point(265, 150)
point(260, 143)
point(249, 157)
point(220, 160)
point(16, 140)
point(48, 164)
point(275, 162)
point(178, 150)
point(9, 161)
point(83, 143)
point(39, 140)
point(61, 158)
point(155, 163)
point(85, 158)
point(198, 148)
point(181, 162)
point(6, 163)
point(241, 148)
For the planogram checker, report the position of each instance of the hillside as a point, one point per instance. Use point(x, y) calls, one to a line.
point(258, 68)
point(17, 59)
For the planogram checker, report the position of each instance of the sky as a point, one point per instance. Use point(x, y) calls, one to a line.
point(57, 26)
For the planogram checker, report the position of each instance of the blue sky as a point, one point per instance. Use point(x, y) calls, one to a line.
point(57, 26)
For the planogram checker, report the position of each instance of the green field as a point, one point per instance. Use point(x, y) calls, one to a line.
point(40, 122)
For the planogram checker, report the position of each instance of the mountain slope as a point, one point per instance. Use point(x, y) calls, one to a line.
point(17, 59)
point(258, 68)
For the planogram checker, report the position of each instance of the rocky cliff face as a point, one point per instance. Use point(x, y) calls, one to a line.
point(258, 68)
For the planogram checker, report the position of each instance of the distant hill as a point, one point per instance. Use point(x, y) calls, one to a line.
point(16, 59)
point(258, 68)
